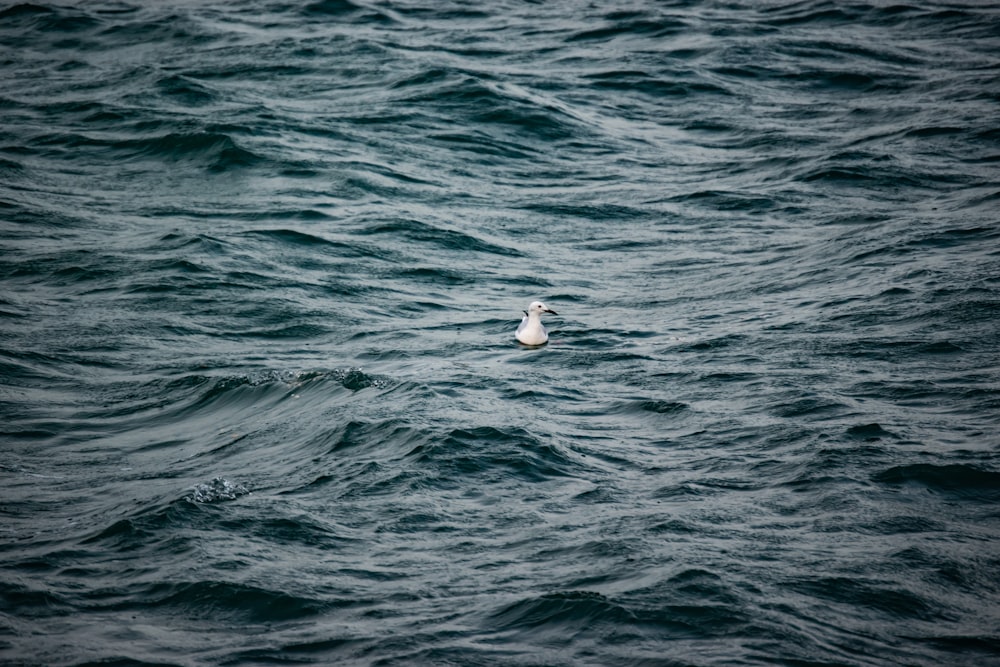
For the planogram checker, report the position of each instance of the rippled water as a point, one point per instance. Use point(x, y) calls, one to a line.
point(261, 267)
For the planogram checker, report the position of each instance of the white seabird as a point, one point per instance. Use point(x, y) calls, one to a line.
point(531, 331)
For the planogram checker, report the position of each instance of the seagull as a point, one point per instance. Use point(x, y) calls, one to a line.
point(531, 331)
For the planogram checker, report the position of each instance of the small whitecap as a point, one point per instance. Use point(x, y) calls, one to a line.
point(218, 489)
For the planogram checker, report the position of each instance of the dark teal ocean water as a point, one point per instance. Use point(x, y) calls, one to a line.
point(262, 262)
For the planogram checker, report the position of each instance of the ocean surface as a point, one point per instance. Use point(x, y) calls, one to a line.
point(262, 263)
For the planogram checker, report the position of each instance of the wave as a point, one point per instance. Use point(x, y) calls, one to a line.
point(217, 152)
point(344, 9)
point(519, 115)
point(557, 618)
point(447, 239)
point(958, 480)
point(212, 151)
point(215, 601)
point(48, 19)
point(665, 85)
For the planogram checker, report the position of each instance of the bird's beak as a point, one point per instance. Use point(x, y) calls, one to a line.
point(552, 312)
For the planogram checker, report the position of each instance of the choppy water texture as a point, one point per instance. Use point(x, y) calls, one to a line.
point(262, 264)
